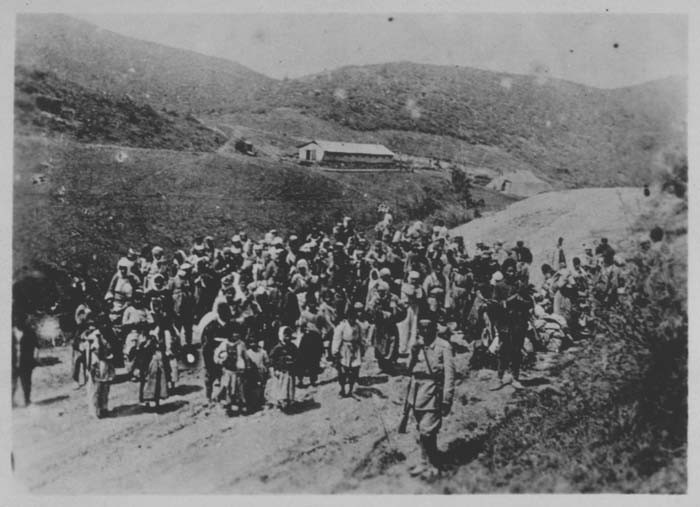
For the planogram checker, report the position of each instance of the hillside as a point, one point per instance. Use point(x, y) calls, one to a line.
point(48, 105)
point(287, 127)
point(82, 205)
point(578, 135)
point(579, 216)
point(101, 60)
point(568, 135)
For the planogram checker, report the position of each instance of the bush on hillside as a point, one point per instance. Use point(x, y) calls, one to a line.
point(618, 421)
point(462, 186)
point(675, 178)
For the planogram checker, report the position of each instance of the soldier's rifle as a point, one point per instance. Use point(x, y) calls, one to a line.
point(406, 407)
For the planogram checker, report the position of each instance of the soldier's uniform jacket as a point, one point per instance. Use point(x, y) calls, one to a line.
point(434, 380)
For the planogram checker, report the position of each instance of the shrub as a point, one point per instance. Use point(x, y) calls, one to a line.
point(675, 178)
point(618, 422)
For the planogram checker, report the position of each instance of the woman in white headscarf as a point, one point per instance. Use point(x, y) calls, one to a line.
point(283, 359)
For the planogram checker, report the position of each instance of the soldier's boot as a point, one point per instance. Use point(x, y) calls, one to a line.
point(424, 462)
point(432, 468)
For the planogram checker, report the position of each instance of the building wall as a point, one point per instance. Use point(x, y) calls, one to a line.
point(357, 159)
point(333, 157)
point(312, 147)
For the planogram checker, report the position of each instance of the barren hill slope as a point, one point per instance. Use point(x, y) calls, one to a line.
point(578, 216)
point(105, 61)
point(48, 105)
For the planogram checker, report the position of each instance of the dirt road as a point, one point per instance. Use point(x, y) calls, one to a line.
point(330, 445)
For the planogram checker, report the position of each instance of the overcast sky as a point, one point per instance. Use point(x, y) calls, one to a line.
point(603, 50)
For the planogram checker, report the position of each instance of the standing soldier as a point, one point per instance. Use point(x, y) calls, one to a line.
point(433, 376)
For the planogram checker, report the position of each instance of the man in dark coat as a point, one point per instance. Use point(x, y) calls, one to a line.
point(511, 314)
point(24, 346)
point(310, 345)
point(32, 296)
point(522, 253)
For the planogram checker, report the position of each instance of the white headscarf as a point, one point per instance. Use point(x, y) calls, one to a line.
point(281, 333)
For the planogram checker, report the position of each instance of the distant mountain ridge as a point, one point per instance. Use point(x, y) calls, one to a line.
point(569, 134)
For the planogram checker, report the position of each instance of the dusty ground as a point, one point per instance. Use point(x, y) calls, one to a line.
point(330, 445)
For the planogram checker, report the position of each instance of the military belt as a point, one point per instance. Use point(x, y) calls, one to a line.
point(423, 375)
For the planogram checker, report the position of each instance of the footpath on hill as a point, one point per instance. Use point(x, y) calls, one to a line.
point(330, 445)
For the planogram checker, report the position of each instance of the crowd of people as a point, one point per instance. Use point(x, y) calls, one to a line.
point(264, 316)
